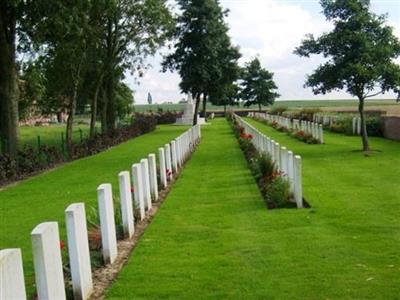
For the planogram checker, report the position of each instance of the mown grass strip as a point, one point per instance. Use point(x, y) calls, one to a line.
point(44, 197)
point(214, 238)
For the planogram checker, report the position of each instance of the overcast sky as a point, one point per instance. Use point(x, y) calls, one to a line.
point(270, 29)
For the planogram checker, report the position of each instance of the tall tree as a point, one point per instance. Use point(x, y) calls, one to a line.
point(258, 86)
point(132, 31)
point(9, 12)
point(361, 50)
point(222, 88)
point(200, 34)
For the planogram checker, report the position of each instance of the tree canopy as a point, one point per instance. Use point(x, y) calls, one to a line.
point(258, 86)
point(203, 54)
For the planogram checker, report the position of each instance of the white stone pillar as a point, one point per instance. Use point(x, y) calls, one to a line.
point(125, 194)
point(107, 223)
point(163, 168)
point(146, 183)
point(178, 161)
point(277, 152)
point(49, 275)
point(290, 170)
point(284, 161)
point(138, 189)
point(173, 156)
point(272, 144)
point(321, 133)
point(153, 176)
point(12, 284)
point(168, 161)
point(298, 189)
point(78, 250)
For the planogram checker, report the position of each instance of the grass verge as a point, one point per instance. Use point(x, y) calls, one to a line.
point(44, 197)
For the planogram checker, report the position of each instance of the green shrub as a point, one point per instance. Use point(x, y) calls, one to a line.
point(375, 126)
point(278, 192)
point(266, 165)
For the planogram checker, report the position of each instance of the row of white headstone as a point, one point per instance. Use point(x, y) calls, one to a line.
point(45, 236)
point(314, 129)
point(286, 162)
point(327, 120)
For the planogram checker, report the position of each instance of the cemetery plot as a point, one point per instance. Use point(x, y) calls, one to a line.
point(44, 197)
point(276, 169)
point(308, 132)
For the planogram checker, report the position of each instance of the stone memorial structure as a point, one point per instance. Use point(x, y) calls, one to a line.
point(188, 113)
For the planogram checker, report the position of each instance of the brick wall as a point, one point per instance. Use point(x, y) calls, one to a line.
point(391, 128)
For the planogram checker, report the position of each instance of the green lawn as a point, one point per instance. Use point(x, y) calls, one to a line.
point(44, 197)
point(214, 238)
point(49, 135)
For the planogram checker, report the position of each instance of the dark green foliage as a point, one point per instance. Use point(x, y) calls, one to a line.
point(203, 55)
point(257, 84)
point(277, 192)
point(30, 160)
point(267, 165)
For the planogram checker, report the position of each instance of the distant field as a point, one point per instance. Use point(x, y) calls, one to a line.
point(289, 104)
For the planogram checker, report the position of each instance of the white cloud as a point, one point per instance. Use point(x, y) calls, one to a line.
point(270, 29)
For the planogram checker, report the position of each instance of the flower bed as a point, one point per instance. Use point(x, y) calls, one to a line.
point(298, 134)
point(274, 186)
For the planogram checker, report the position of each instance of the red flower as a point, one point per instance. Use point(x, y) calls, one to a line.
point(62, 245)
point(246, 136)
point(300, 133)
point(132, 189)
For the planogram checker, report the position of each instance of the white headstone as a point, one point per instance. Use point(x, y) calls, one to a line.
point(12, 284)
point(290, 170)
point(163, 168)
point(174, 157)
point(277, 152)
point(298, 190)
point(138, 189)
point(168, 161)
point(146, 183)
point(78, 250)
point(107, 223)
point(125, 194)
point(321, 133)
point(284, 161)
point(49, 275)
point(153, 176)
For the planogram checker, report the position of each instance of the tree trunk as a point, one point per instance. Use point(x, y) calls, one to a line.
point(72, 108)
point(196, 109)
point(93, 115)
point(224, 109)
point(205, 107)
point(104, 111)
point(111, 105)
point(8, 82)
point(364, 134)
point(259, 107)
